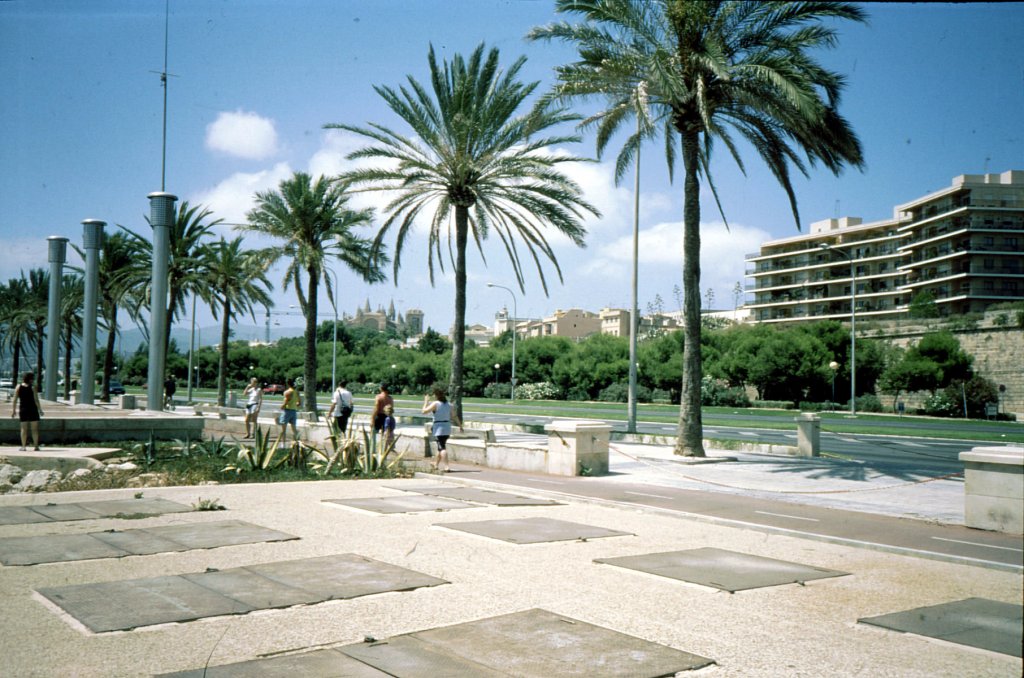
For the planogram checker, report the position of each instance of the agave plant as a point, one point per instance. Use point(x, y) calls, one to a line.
point(261, 456)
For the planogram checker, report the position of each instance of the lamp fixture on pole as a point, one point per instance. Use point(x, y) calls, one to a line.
point(515, 316)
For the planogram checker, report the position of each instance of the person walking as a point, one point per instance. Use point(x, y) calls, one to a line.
point(444, 417)
point(389, 428)
point(26, 407)
point(290, 411)
point(253, 403)
point(170, 387)
point(382, 400)
point(341, 406)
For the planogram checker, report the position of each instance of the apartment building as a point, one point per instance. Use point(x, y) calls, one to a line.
point(964, 245)
point(574, 323)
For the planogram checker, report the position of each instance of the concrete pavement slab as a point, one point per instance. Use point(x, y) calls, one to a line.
point(478, 495)
point(328, 663)
point(55, 548)
point(540, 644)
point(346, 575)
point(21, 515)
point(90, 510)
point(409, 504)
point(144, 541)
point(123, 605)
point(533, 530)
point(977, 622)
point(410, 657)
point(722, 569)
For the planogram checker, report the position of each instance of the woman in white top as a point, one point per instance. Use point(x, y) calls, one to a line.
point(444, 417)
point(254, 400)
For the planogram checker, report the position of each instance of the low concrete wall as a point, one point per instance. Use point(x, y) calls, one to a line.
point(994, 488)
point(70, 430)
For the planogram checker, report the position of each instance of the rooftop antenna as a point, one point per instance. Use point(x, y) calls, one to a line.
point(163, 83)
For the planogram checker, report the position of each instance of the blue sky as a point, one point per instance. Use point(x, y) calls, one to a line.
point(934, 91)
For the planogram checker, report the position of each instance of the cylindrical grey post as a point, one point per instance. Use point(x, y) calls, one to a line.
point(58, 246)
point(161, 215)
point(92, 241)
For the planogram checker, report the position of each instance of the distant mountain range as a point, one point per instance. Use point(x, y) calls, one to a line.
point(207, 335)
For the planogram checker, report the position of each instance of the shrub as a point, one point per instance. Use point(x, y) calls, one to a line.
point(869, 402)
point(619, 393)
point(717, 392)
point(501, 391)
point(544, 390)
point(773, 404)
point(660, 395)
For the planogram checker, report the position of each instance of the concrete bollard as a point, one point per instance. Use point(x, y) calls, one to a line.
point(808, 434)
point(232, 399)
point(994, 489)
point(578, 447)
point(126, 401)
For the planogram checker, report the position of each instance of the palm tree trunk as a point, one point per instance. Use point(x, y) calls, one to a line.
point(108, 359)
point(39, 354)
point(16, 361)
point(222, 363)
point(309, 373)
point(690, 441)
point(459, 328)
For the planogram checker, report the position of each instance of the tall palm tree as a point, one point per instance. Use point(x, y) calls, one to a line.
point(116, 258)
point(72, 301)
point(16, 325)
point(236, 280)
point(712, 70)
point(313, 220)
point(189, 231)
point(36, 309)
point(476, 158)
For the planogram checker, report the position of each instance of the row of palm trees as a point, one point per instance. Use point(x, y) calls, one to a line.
point(481, 162)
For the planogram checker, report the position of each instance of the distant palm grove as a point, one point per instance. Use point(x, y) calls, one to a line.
point(473, 163)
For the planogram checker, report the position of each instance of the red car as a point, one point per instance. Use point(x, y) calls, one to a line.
point(273, 389)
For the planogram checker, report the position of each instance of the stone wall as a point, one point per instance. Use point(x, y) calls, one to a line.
point(998, 352)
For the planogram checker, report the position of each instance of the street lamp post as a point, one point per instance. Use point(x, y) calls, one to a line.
point(497, 366)
point(834, 366)
point(853, 325)
point(515, 316)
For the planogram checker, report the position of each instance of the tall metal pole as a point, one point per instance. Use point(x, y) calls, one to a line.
point(92, 240)
point(515, 316)
point(633, 320)
point(58, 246)
point(163, 81)
point(161, 216)
point(191, 347)
point(853, 325)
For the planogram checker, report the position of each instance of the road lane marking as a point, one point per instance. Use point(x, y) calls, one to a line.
point(747, 433)
point(910, 444)
point(974, 543)
point(550, 482)
point(644, 494)
point(783, 515)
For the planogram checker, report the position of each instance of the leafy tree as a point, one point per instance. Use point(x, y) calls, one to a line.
point(35, 309)
point(923, 306)
point(943, 349)
point(189, 231)
point(72, 300)
point(474, 158)
point(704, 71)
point(17, 325)
point(432, 342)
point(313, 220)
point(236, 282)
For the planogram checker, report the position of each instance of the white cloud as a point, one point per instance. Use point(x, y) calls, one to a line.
point(233, 197)
point(243, 135)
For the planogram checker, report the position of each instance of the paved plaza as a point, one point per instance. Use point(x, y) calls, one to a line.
point(377, 578)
